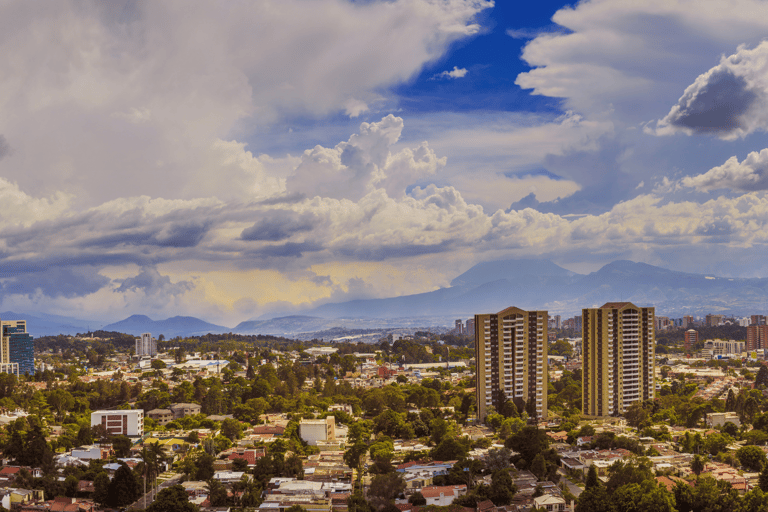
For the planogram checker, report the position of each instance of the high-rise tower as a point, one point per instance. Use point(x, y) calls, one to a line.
point(618, 357)
point(16, 347)
point(511, 359)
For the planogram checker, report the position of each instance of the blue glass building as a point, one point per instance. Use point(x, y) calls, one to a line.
point(20, 346)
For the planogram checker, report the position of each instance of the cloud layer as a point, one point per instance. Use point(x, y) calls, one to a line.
point(133, 181)
point(728, 101)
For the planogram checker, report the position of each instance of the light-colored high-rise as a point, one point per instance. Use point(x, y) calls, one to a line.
point(511, 359)
point(146, 345)
point(17, 351)
point(618, 356)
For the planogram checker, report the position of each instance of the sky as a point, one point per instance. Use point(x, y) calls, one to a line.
point(235, 160)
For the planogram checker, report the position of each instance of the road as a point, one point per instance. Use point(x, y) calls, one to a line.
point(575, 489)
point(139, 504)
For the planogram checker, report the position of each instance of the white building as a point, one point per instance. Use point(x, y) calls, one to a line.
point(718, 419)
point(550, 502)
point(146, 345)
point(120, 422)
point(90, 451)
point(442, 496)
point(312, 431)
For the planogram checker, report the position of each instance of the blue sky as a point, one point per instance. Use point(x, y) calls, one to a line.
point(235, 160)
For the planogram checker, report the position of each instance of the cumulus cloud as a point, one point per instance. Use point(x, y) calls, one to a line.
point(276, 225)
point(353, 107)
point(622, 58)
point(456, 72)
point(127, 103)
point(364, 163)
point(728, 101)
point(750, 174)
point(151, 282)
point(68, 282)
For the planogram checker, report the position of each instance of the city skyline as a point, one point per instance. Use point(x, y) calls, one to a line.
point(230, 161)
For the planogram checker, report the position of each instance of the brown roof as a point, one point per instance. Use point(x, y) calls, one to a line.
point(485, 505)
point(615, 305)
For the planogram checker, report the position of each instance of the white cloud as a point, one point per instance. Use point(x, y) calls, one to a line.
point(456, 72)
point(623, 59)
point(364, 163)
point(133, 100)
point(353, 107)
point(729, 101)
point(750, 174)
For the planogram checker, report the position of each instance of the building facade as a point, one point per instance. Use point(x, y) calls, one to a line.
point(120, 422)
point(757, 337)
point(146, 345)
point(691, 339)
point(17, 348)
point(314, 431)
point(511, 358)
point(618, 358)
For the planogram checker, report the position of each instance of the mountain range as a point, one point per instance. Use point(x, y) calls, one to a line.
point(486, 287)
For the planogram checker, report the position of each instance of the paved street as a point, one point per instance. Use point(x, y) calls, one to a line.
point(139, 504)
point(575, 489)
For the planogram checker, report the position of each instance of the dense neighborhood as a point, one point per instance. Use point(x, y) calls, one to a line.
point(230, 423)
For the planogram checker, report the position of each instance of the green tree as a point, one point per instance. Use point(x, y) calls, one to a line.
point(761, 379)
point(231, 429)
point(529, 442)
point(642, 497)
point(754, 501)
point(124, 489)
point(385, 488)
point(751, 457)
point(122, 446)
point(763, 481)
point(592, 480)
point(204, 466)
point(101, 488)
point(697, 465)
point(451, 448)
point(217, 493)
point(417, 499)
point(502, 488)
point(240, 464)
point(172, 499)
point(630, 472)
point(594, 499)
point(539, 466)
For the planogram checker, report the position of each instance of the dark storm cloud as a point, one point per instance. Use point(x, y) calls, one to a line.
point(290, 249)
point(151, 281)
point(717, 107)
point(277, 225)
point(385, 252)
point(181, 235)
point(57, 282)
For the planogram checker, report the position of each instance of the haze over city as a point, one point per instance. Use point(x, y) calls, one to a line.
point(230, 160)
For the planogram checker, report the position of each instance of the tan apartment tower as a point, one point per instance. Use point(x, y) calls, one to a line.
point(757, 337)
point(511, 359)
point(691, 339)
point(618, 358)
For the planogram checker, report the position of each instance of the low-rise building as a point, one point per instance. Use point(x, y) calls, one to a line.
point(718, 419)
point(120, 422)
point(182, 410)
point(312, 431)
point(161, 416)
point(443, 495)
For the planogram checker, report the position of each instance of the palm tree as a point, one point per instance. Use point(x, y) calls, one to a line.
point(157, 456)
point(144, 455)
